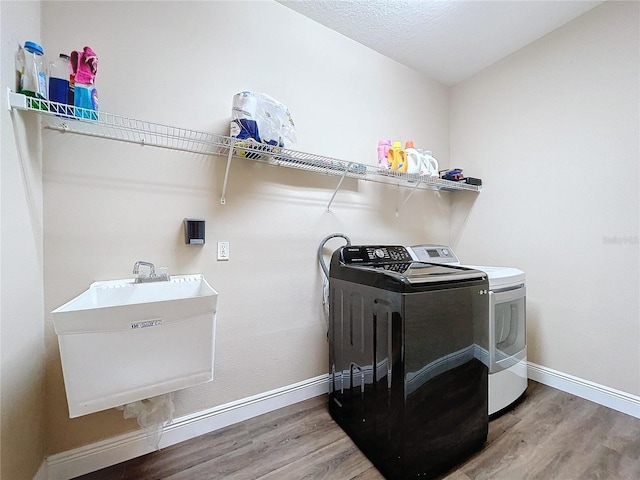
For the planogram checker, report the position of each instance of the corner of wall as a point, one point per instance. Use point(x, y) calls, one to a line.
point(22, 395)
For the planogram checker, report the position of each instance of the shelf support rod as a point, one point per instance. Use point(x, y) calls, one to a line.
point(413, 190)
point(226, 176)
point(344, 174)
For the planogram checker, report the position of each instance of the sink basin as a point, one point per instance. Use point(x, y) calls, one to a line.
point(122, 341)
point(111, 304)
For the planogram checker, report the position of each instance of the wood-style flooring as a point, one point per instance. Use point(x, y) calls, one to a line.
point(549, 435)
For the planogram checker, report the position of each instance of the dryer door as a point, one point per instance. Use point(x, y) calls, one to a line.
point(507, 328)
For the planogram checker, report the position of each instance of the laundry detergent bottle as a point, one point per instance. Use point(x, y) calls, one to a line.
point(383, 154)
point(414, 160)
point(397, 157)
point(59, 83)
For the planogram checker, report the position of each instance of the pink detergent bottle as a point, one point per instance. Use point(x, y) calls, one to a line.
point(383, 154)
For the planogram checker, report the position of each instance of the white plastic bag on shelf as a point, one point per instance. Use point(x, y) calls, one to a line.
point(259, 117)
point(153, 414)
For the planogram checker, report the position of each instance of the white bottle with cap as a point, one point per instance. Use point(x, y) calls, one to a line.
point(33, 77)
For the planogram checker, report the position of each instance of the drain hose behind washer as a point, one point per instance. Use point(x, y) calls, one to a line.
point(323, 264)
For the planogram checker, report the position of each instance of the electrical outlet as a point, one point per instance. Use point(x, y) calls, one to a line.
point(223, 250)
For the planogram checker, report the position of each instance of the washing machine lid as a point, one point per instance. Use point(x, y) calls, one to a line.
point(420, 272)
point(394, 265)
point(499, 277)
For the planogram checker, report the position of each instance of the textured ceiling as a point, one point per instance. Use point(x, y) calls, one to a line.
point(447, 40)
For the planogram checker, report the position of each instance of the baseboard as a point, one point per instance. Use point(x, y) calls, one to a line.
point(43, 472)
point(89, 458)
point(606, 396)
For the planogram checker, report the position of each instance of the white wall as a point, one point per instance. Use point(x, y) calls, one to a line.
point(21, 261)
point(108, 204)
point(553, 132)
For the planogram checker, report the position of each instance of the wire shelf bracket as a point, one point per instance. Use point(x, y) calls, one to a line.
point(413, 190)
point(342, 177)
point(223, 199)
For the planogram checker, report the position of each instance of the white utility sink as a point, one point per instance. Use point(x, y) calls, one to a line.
point(122, 341)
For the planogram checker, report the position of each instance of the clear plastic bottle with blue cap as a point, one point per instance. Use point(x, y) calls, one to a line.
point(31, 71)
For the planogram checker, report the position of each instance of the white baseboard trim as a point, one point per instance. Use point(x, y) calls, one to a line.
point(89, 458)
point(42, 473)
point(606, 396)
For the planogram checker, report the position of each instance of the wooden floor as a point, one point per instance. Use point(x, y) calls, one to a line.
point(549, 435)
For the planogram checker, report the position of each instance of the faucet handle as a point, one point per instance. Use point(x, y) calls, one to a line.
point(152, 268)
point(163, 274)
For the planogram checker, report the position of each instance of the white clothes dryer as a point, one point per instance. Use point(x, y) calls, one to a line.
point(507, 326)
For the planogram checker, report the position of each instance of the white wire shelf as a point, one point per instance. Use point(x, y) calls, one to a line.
point(66, 118)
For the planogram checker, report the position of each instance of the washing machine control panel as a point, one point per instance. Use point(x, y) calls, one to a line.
point(373, 254)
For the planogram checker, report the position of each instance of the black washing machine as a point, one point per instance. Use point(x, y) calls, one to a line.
point(408, 358)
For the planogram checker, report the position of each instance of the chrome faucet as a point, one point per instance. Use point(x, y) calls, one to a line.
point(152, 277)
